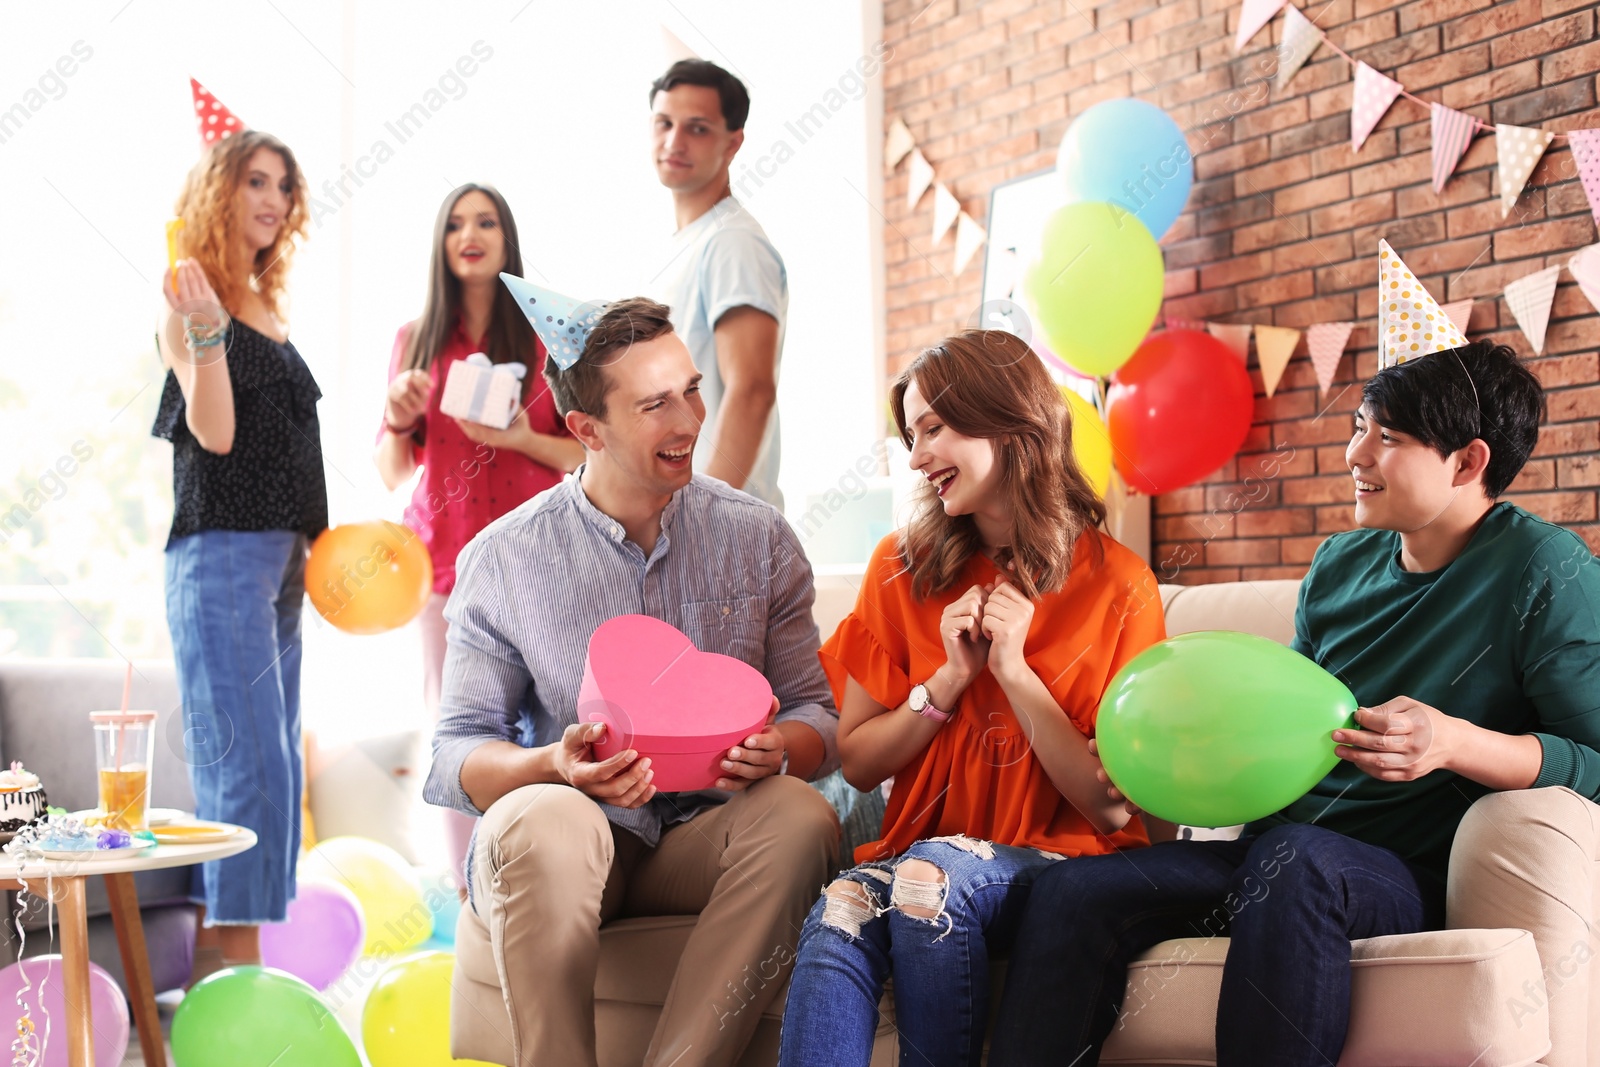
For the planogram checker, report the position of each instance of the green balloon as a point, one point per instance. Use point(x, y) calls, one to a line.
point(257, 1017)
point(1216, 728)
point(1096, 285)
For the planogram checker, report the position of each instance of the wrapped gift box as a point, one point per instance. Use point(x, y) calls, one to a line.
point(481, 391)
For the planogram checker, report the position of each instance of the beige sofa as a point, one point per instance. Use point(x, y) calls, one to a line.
point(1513, 981)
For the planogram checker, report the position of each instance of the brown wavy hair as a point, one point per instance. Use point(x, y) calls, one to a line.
point(210, 235)
point(989, 384)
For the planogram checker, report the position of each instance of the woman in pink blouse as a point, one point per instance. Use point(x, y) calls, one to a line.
point(471, 473)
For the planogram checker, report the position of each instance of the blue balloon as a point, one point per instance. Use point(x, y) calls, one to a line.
point(1131, 154)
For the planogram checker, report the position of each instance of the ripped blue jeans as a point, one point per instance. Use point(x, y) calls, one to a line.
point(933, 928)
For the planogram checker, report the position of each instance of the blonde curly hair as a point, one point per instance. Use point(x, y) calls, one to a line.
point(208, 207)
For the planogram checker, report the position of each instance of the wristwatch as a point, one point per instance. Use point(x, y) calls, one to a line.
point(922, 704)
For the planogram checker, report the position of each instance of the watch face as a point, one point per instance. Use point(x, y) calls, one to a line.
point(919, 698)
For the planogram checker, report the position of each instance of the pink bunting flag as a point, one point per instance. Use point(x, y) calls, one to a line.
point(1236, 335)
point(969, 238)
point(1530, 300)
point(1586, 152)
point(1452, 135)
point(1459, 313)
point(1275, 346)
point(1373, 94)
point(1585, 266)
point(1252, 16)
point(1326, 341)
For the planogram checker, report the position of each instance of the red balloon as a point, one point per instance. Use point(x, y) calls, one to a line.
point(1178, 410)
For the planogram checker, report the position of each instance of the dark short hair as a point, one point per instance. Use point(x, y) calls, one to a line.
point(1450, 398)
point(584, 385)
point(735, 98)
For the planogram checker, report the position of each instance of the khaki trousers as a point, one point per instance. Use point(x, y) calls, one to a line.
point(549, 869)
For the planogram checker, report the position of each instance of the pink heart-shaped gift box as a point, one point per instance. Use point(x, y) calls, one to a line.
point(664, 698)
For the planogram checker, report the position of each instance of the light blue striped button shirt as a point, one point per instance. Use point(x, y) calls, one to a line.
point(727, 570)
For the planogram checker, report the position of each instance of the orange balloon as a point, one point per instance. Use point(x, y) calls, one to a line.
point(368, 577)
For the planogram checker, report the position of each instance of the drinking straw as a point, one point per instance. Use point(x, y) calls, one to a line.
point(127, 688)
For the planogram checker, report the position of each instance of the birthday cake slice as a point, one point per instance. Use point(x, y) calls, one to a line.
point(22, 799)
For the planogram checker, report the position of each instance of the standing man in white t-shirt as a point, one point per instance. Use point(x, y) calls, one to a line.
point(724, 281)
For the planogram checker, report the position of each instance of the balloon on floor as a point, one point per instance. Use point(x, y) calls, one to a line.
point(406, 1022)
point(1215, 728)
point(1178, 410)
point(257, 1017)
point(322, 937)
point(39, 983)
point(368, 577)
point(396, 917)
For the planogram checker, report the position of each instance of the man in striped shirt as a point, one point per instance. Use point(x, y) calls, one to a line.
point(568, 842)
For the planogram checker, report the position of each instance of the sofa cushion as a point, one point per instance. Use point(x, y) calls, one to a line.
point(1442, 997)
point(1264, 608)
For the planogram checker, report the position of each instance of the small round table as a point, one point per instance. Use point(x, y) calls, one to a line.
point(62, 882)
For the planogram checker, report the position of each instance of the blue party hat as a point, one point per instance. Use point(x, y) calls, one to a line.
point(562, 323)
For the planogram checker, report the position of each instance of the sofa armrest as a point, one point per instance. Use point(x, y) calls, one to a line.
point(1530, 859)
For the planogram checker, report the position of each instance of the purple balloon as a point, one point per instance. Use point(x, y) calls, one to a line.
point(45, 996)
point(320, 939)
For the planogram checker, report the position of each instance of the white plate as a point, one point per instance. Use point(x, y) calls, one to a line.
point(90, 856)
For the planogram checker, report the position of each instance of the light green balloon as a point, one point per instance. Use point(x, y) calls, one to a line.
point(1216, 728)
point(258, 1017)
point(1096, 285)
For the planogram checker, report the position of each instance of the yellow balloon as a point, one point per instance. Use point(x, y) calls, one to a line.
point(397, 917)
point(406, 1021)
point(1091, 441)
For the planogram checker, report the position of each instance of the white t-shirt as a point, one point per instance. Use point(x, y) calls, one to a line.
point(721, 261)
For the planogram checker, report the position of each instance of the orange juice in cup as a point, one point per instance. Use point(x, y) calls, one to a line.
point(124, 748)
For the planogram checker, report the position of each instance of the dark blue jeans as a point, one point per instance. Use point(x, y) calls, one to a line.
point(1291, 900)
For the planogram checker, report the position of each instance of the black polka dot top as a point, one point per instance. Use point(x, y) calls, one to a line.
point(272, 478)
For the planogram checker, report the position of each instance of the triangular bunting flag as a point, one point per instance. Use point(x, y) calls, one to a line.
point(674, 48)
point(1373, 94)
point(1452, 134)
point(1236, 335)
point(216, 122)
point(1585, 266)
point(1326, 341)
point(969, 238)
point(900, 143)
point(1275, 346)
point(1520, 150)
point(1410, 322)
point(1586, 152)
point(1252, 16)
point(945, 209)
point(921, 177)
point(1459, 313)
point(1300, 39)
point(1530, 299)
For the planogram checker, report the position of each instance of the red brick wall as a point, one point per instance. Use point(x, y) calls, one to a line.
point(1284, 220)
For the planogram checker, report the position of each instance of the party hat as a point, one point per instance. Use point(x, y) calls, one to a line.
point(562, 323)
point(216, 122)
point(1410, 323)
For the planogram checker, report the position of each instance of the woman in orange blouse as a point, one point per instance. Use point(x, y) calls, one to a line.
point(970, 672)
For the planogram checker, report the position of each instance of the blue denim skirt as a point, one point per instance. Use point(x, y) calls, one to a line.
point(234, 599)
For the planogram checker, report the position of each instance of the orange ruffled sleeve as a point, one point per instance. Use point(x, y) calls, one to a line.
point(867, 646)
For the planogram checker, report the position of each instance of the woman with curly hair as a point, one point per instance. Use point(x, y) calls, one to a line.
point(970, 671)
point(240, 408)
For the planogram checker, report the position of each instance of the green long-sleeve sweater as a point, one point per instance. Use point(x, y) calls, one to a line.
point(1506, 636)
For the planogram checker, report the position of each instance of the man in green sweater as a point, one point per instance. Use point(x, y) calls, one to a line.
point(1467, 629)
